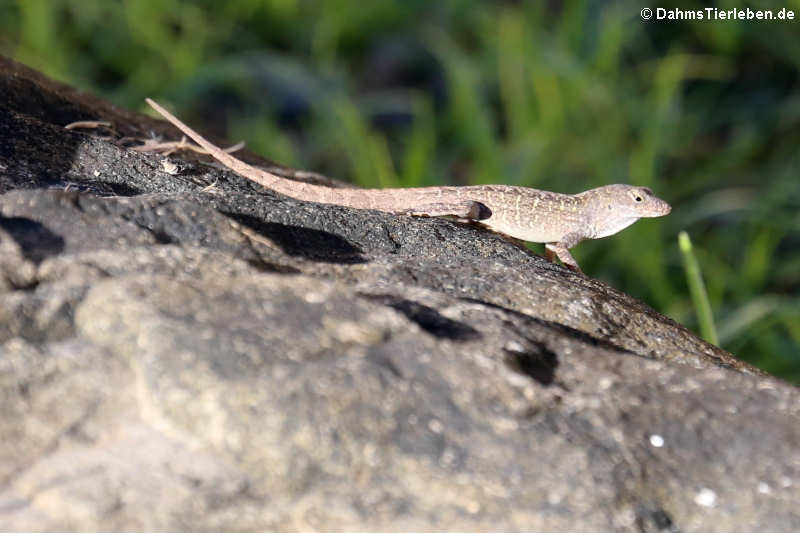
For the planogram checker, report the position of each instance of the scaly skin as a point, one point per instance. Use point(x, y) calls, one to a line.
point(559, 220)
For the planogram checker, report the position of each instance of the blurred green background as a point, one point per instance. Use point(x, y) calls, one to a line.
point(555, 95)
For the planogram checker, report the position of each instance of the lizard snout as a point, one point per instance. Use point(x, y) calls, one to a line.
point(658, 208)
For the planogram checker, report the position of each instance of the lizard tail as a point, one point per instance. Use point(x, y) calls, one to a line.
point(379, 199)
point(294, 189)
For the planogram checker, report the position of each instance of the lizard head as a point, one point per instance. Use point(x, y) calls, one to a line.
point(615, 207)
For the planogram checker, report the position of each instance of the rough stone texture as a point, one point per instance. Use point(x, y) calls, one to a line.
point(178, 357)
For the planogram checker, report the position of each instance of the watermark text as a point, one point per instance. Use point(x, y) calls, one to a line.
point(715, 13)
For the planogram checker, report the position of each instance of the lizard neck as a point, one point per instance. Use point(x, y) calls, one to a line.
point(606, 216)
point(605, 227)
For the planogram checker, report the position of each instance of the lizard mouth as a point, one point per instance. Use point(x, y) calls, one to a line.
point(661, 208)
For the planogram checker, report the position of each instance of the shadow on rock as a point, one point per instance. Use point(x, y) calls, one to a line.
point(428, 318)
point(36, 242)
point(537, 361)
point(311, 244)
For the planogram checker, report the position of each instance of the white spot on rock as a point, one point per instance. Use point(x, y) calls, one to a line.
point(705, 498)
point(656, 441)
point(554, 498)
point(514, 346)
point(448, 457)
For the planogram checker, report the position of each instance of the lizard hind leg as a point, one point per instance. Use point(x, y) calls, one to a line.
point(467, 209)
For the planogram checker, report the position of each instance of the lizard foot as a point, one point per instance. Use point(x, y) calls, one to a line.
point(562, 252)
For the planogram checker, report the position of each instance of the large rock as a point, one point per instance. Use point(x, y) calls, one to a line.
point(179, 357)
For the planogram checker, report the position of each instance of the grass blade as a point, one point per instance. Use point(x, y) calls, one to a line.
point(697, 289)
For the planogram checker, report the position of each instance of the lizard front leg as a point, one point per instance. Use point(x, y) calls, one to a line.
point(561, 250)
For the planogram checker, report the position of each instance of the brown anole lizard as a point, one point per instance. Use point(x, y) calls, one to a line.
point(559, 220)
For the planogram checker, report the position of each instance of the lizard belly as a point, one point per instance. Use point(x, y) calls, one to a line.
point(533, 232)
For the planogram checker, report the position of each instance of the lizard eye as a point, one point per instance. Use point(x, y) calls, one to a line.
point(638, 198)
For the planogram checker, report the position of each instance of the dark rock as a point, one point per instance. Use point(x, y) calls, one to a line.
point(192, 353)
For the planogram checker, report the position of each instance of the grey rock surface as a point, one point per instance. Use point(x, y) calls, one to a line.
point(192, 353)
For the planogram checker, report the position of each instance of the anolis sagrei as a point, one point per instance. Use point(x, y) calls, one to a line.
point(559, 220)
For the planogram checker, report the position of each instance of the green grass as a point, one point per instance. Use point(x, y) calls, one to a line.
point(697, 289)
point(410, 92)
